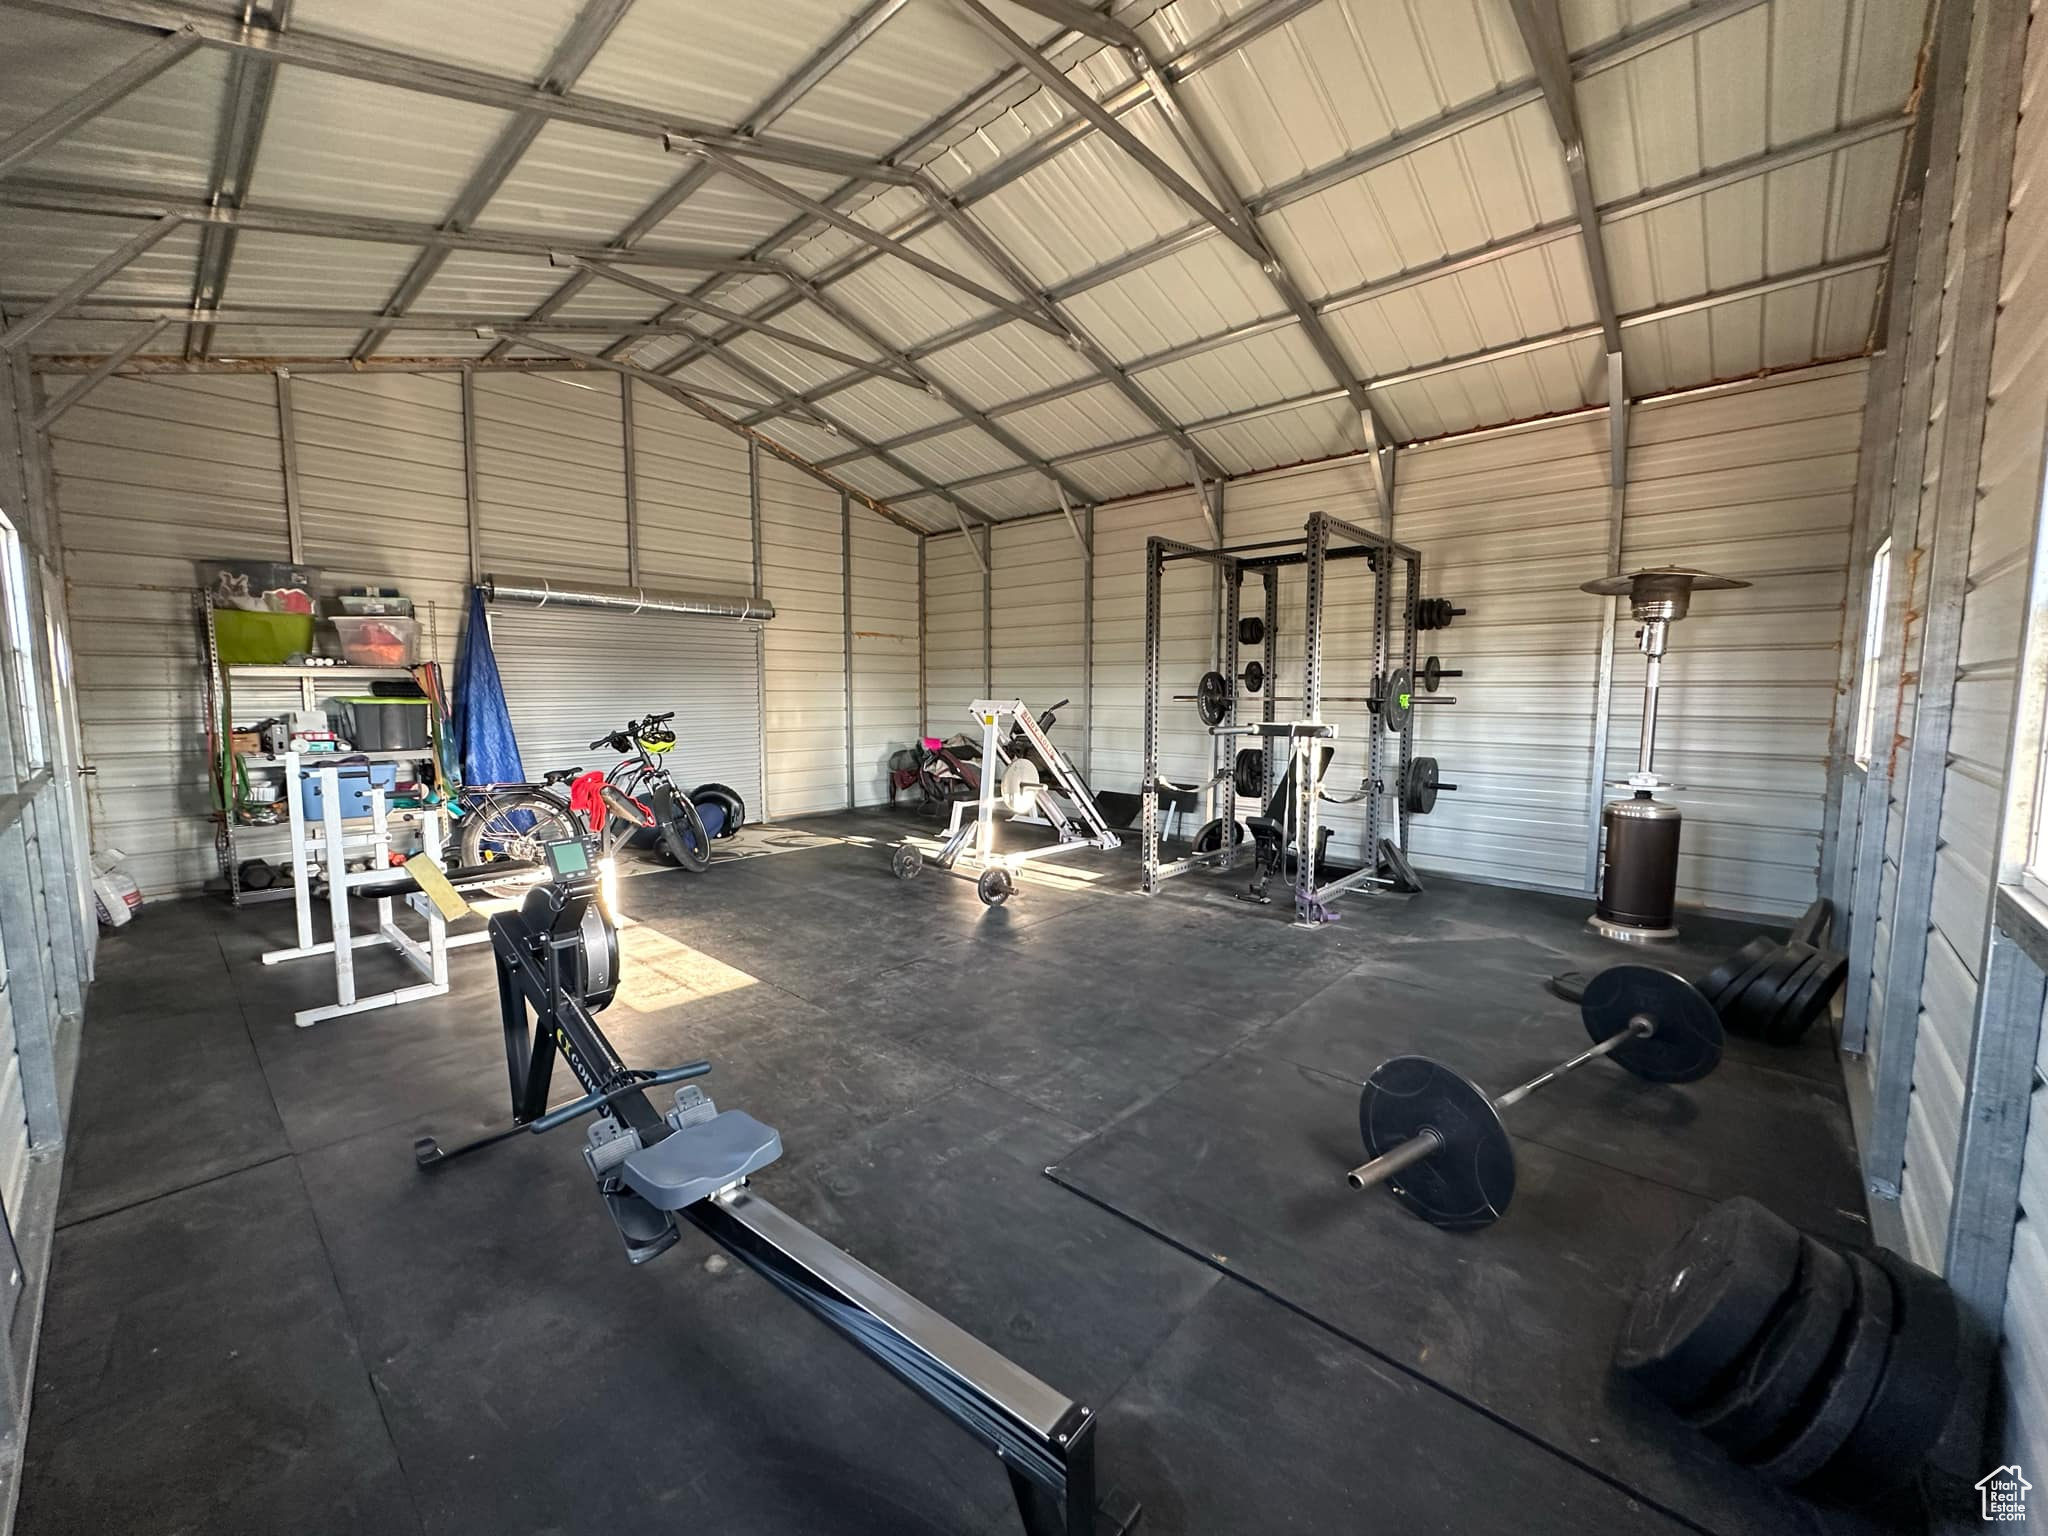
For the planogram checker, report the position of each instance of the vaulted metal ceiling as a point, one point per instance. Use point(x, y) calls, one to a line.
point(969, 257)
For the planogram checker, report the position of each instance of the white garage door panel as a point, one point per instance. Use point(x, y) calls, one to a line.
point(572, 674)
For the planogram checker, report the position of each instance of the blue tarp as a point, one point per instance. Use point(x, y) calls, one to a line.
point(490, 752)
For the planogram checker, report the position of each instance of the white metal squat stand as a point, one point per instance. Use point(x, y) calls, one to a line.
point(1013, 786)
point(327, 846)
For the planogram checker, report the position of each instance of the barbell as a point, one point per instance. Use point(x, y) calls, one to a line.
point(1435, 1138)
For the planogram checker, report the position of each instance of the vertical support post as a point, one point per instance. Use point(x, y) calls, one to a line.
point(288, 455)
point(1223, 749)
point(1088, 644)
point(988, 617)
point(1307, 749)
point(336, 859)
point(1996, 69)
point(632, 466)
point(1269, 707)
point(469, 496)
point(1603, 686)
point(1382, 562)
point(1148, 783)
point(760, 630)
point(846, 613)
point(924, 705)
point(1411, 577)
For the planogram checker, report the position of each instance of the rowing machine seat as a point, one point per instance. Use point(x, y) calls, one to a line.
point(699, 1160)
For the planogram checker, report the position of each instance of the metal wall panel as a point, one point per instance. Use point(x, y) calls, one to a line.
point(1038, 581)
point(551, 479)
point(885, 652)
point(694, 525)
point(805, 644)
point(953, 656)
point(2024, 1353)
point(1755, 481)
point(573, 674)
point(1188, 603)
point(152, 474)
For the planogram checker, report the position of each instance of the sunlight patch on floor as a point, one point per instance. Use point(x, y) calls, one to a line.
point(659, 972)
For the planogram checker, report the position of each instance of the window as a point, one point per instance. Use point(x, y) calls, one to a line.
point(20, 646)
point(1873, 644)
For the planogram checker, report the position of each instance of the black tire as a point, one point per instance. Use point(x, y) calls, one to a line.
point(732, 809)
point(683, 838)
point(496, 831)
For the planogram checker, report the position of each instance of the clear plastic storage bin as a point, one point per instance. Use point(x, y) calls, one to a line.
point(380, 641)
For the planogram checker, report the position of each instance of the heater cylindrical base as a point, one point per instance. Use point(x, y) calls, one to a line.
point(1639, 874)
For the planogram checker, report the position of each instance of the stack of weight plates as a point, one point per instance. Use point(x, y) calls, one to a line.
point(1820, 1368)
point(1777, 991)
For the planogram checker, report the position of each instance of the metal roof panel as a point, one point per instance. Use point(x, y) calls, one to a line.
point(581, 183)
point(506, 37)
point(1005, 364)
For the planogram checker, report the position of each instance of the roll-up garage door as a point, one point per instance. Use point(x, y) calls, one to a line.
point(572, 674)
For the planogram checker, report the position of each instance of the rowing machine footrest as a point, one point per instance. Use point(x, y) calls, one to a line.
point(699, 1160)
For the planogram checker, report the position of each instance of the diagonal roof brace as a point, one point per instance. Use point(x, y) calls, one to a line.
point(33, 138)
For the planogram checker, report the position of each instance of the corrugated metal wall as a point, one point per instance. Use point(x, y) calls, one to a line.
point(152, 474)
point(1037, 586)
point(952, 635)
point(1994, 621)
point(802, 574)
point(1754, 480)
point(155, 472)
point(885, 652)
point(2005, 468)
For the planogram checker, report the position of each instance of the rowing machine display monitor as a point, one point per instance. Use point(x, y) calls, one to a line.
point(558, 966)
point(1639, 874)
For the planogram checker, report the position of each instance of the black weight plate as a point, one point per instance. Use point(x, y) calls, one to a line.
point(1254, 676)
point(906, 861)
point(1914, 1393)
point(1686, 1042)
point(1248, 771)
point(994, 887)
point(1754, 1009)
point(1721, 977)
point(1251, 629)
point(1814, 923)
point(1707, 1300)
point(1432, 675)
point(1398, 703)
point(1210, 838)
point(1422, 781)
point(1775, 1376)
point(1822, 1425)
point(1811, 1000)
point(1212, 698)
point(1396, 865)
point(1469, 1180)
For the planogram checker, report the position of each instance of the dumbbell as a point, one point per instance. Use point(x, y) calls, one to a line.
point(1435, 1138)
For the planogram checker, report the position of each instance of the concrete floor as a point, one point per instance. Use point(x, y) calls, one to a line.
point(262, 1318)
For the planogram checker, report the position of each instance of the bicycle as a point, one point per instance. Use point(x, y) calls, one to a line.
point(643, 780)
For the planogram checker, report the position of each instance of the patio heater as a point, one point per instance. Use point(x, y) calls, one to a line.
point(1639, 871)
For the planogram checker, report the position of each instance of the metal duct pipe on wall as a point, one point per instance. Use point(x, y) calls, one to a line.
point(539, 592)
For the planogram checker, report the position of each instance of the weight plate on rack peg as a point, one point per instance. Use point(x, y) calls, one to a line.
point(1397, 703)
point(1213, 698)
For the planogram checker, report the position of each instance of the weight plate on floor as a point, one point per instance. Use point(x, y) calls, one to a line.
point(1814, 923)
point(906, 861)
point(1686, 1041)
point(1210, 838)
point(1251, 629)
point(1717, 981)
point(1707, 1300)
point(1776, 1375)
point(1822, 1425)
point(1810, 1002)
point(1395, 863)
point(1470, 1179)
point(1754, 1010)
point(1914, 1392)
point(1212, 698)
point(994, 887)
point(1732, 993)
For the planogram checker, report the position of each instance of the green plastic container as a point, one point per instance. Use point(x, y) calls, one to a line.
point(250, 639)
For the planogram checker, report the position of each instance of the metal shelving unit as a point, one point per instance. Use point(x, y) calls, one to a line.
point(312, 684)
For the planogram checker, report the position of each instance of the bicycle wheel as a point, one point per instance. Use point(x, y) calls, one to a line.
point(683, 838)
point(513, 827)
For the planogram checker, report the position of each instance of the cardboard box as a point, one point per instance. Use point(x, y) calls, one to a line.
point(245, 741)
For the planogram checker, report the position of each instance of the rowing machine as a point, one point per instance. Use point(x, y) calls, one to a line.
point(558, 966)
